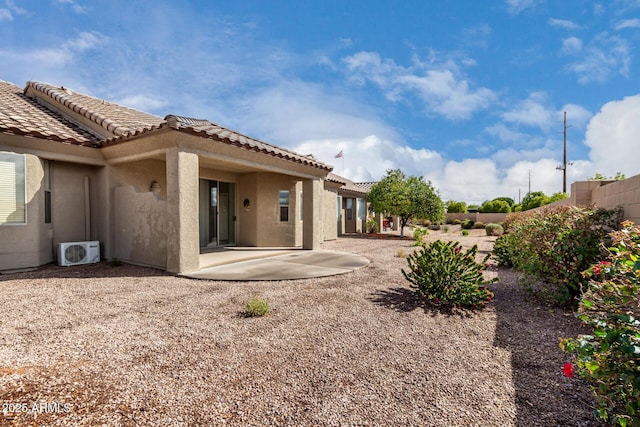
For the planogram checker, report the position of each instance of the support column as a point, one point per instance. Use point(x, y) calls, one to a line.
point(312, 224)
point(183, 248)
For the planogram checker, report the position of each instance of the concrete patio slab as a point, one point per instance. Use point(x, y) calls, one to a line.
point(278, 265)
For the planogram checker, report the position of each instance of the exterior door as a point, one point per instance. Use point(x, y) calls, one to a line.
point(217, 213)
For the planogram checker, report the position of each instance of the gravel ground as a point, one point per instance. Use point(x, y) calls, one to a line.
point(126, 345)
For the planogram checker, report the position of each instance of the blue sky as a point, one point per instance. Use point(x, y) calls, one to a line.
point(468, 94)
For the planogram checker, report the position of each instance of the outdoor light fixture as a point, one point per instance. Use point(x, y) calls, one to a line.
point(155, 187)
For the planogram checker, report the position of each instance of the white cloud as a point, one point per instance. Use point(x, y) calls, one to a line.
point(571, 46)
point(516, 6)
point(628, 23)
point(602, 58)
point(612, 135)
point(531, 112)
point(5, 15)
point(577, 116)
point(85, 41)
point(142, 102)
point(440, 85)
point(563, 23)
point(73, 4)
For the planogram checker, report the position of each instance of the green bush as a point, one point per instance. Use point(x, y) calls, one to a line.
point(257, 307)
point(610, 358)
point(457, 222)
point(372, 226)
point(555, 246)
point(494, 229)
point(418, 234)
point(443, 274)
point(467, 224)
point(478, 225)
point(465, 232)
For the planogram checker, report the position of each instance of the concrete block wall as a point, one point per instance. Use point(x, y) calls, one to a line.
point(610, 194)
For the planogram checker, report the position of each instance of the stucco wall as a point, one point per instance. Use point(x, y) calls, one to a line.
point(29, 244)
point(69, 215)
point(330, 214)
point(270, 230)
point(610, 194)
point(35, 243)
point(140, 227)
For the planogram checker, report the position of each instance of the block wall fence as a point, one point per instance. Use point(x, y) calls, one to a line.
point(606, 194)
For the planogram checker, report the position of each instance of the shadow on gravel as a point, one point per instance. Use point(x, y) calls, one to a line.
point(405, 300)
point(101, 269)
point(530, 331)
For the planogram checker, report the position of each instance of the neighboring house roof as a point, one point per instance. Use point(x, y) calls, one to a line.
point(350, 186)
point(21, 115)
point(39, 111)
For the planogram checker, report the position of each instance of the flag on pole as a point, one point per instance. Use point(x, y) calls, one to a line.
point(337, 156)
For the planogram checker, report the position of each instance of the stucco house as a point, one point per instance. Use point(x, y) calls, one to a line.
point(153, 191)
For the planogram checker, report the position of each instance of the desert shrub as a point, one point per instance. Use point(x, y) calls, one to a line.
point(256, 307)
point(372, 226)
point(478, 225)
point(556, 245)
point(434, 227)
point(443, 274)
point(418, 234)
point(494, 229)
point(457, 222)
point(467, 224)
point(448, 221)
point(445, 229)
point(400, 254)
point(610, 358)
point(465, 232)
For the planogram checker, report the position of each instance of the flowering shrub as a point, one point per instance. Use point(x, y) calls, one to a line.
point(610, 358)
point(444, 274)
point(555, 246)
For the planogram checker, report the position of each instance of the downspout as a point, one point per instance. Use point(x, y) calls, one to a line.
point(87, 210)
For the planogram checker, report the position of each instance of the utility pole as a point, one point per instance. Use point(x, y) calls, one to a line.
point(564, 158)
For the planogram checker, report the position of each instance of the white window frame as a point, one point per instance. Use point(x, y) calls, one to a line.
point(16, 160)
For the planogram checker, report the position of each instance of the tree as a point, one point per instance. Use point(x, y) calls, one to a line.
point(495, 205)
point(408, 197)
point(599, 177)
point(538, 198)
point(456, 207)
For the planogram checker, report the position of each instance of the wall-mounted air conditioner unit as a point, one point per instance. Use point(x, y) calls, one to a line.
point(75, 253)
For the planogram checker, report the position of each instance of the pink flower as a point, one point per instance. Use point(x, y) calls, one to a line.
point(596, 269)
point(458, 249)
point(567, 370)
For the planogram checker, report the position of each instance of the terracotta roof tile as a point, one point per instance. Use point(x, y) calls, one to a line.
point(213, 131)
point(116, 119)
point(21, 115)
point(348, 185)
point(121, 123)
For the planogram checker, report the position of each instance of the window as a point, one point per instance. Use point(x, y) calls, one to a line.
point(349, 208)
point(361, 209)
point(339, 206)
point(12, 188)
point(301, 210)
point(47, 191)
point(284, 206)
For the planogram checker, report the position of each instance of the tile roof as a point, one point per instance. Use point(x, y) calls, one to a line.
point(21, 115)
point(206, 129)
point(123, 124)
point(348, 185)
point(116, 119)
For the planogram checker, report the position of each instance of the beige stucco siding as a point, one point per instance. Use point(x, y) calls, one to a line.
point(270, 230)
point(330, 213)
point(28, 244)
point(140, 220)
point(72, 217)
